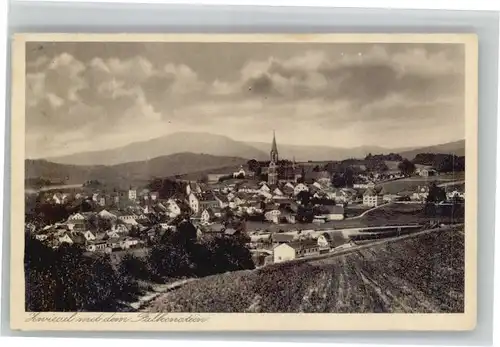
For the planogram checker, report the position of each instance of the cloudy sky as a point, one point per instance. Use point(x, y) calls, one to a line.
point(91, 96)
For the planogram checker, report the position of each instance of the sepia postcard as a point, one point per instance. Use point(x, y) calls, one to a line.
point(227, 182)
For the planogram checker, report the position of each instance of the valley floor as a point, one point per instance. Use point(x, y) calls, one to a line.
point(417, 274)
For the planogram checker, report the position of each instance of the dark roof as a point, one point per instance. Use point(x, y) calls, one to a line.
point(207, 196)
point(216, 227)
point(335, 209)
point(370, 192)
point(304, 244)
point(282, 237)
point(77, 238)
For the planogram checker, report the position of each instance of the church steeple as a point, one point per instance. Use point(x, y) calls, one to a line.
point(274, 149)
point(272, 171)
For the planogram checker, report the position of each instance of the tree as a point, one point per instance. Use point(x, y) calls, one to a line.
point(229, 254)
point(132, 266)
point(338, 180)
point(349, 177)
point(253, 165)
point(169, 258)
point(305, 214)
point(65, 279)
point(436, 194)
point(406, 167)
point(304, 197)
point(166, 188)
point(376, 165)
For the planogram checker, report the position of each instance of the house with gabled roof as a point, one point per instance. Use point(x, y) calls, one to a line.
point(105, 214)
point(72, 238)
point(76, 217)
point(301, 187)
point(293, 250)
point(89, 235)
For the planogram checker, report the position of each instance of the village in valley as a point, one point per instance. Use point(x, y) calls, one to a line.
point(284, 209)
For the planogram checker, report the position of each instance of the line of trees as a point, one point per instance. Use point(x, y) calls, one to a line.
point(166, 188)
point(441, 162)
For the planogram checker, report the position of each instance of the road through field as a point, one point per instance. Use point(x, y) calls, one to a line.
point(446, 184)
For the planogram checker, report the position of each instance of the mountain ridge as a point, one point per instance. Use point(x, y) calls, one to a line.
point(219, 145)
point(124, 174)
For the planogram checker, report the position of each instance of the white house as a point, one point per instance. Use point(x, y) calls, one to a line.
point(59, 198)
point(265, 188)
point(421, 193)
point(106, 215)
point(295, 249)
point(119, 228)
point(324, 241)
point(283, 252)
point(427, 172)
point(207, 215)
point(76, 217)
point(127, 242)
point(301, 187)
point(128, 219)
point(112, 234)
point(41, 237)
point(89, 236)
point(194, 203)
point(278, 192)
point(66, 239)
point(371, 198)
point(132, 194)
point(455, 194)
point(96, 246)
point(273, 216)
point(240, 173)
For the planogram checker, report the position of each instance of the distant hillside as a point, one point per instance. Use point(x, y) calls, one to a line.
point(182, 142)
point(176, 164)
point(323, 153)
point(456, 148)
point(217, 145)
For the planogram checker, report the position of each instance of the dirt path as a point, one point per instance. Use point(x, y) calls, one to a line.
point(157, 291)
point(367, 211)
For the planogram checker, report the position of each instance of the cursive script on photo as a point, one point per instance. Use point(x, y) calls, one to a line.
point(76, 317)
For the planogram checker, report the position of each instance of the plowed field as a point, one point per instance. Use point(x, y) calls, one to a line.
point(420, 274)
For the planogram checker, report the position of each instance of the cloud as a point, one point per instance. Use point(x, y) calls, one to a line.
point(106, 101)
point(359, 77)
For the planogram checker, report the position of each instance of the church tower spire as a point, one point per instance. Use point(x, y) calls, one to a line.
point(272, 172)
point(274, 149)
